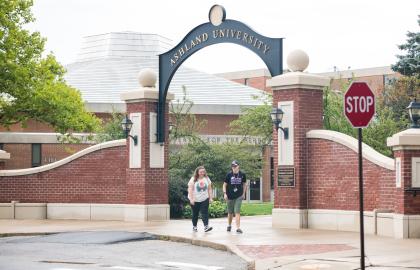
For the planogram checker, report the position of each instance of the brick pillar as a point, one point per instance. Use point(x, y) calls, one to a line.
point(406, 146)
point(299, 95)
point(147, 168)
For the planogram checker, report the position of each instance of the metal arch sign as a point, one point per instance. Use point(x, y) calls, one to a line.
point(218, 30)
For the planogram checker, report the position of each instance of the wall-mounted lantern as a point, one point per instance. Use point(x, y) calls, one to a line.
point(276, 118)
point(414, 112)
point(126, 125)
point(171, 127)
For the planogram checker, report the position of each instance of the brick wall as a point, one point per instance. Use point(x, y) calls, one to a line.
point(333, 179)
point(22, 158)
point(255, 82)
point(305, 118)
point(31, 126)
point(98, 177)
point(215, 124)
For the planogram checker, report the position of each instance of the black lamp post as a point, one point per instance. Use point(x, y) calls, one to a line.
point(276, 117)
point(126, 125)
point(414, 112)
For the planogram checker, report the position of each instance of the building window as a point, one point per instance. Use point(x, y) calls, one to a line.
point(1, 146)
point(36, 155)
point(246, 81)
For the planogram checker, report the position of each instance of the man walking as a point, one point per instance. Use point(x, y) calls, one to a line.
point(234, 189)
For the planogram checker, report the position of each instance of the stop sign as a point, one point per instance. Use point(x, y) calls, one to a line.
point(359, 104)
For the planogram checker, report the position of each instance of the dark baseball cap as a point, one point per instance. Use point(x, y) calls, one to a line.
point(234, 163)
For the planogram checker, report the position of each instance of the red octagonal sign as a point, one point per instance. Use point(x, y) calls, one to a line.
point(359, 104)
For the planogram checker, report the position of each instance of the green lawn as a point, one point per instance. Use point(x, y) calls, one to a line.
point(255, 209)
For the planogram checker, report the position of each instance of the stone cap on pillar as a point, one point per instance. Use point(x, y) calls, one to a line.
point(147, 91)
point(4, 155)
point(298, 61)
point(408, 139)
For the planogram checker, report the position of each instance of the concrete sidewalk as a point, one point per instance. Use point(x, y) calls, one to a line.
point(260, 245)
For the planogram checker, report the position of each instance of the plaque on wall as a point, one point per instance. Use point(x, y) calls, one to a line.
point(286, 176)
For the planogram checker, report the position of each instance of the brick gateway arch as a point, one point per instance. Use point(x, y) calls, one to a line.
point(119, 180)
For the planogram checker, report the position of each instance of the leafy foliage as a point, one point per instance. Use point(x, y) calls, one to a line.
point(381, 127)
point(178, 196)
point(32, 86)
point(184, 123)
point(216, 159)
point(216, 209)
point(111, 130)
point(409, 63)
point(398, 95)
point(255, 122)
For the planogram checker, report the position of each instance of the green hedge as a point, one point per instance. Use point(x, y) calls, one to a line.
point(216, 209)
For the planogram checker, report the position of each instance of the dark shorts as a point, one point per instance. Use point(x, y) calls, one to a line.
point(234, 206)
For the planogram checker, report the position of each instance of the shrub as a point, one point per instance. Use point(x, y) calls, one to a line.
point(216, 209)
point(178, 196)
point(187, 213)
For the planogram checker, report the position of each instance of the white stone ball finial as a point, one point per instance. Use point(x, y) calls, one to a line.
point(297, 60)
point(147, 77)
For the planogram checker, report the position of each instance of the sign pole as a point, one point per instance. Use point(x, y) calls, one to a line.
point(359, 108)
point(362, 233)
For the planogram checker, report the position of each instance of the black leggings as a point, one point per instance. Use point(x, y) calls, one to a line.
point(202, 207)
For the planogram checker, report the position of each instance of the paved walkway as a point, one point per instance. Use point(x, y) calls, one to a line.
point(260, 245)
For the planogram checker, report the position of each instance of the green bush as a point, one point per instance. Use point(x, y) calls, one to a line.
point(187, 213)
point(178, 196)
point(216, 209)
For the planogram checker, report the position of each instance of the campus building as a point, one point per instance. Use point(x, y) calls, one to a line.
point(378, 78)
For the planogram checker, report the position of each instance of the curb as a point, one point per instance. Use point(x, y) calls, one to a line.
point(26, 234)
point(202, 243)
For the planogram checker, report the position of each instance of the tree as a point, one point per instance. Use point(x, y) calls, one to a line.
point(111, 129)
point(255, 122)
point(184, 123)
point(398, 95)
point(382, 126)
point(32, 86)
point(408, 64)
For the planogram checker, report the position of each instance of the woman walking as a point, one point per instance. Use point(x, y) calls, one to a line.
point(200, 195)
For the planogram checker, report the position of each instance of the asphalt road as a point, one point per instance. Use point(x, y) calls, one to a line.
point(109, 250)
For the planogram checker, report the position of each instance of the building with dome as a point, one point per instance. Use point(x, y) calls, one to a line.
point(108, 65)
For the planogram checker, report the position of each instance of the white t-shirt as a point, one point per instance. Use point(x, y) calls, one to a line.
point(200, 188)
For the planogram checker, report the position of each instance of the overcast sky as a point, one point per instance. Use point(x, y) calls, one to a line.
point(356, 33)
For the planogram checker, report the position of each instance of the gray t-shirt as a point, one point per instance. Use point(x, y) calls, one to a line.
point(200, 188)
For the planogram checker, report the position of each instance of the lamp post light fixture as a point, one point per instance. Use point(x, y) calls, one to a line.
point(276, 117)
point(171, 127)
point(126, 125)
point(414, 112)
